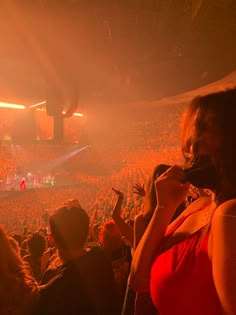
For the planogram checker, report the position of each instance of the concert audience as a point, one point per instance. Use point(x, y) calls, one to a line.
point(85, 283)
point(89, 275)
point(110, 238)
point(36, 247)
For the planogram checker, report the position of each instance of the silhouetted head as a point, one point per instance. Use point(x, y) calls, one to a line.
point(110, 236)
point(69, 227)
point(36, 245)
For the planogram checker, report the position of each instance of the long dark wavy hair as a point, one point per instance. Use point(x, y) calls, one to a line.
point(210, 121)
point(17, 285)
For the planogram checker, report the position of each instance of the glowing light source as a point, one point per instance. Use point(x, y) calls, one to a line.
point(7, 138)
point(75, 114)
point(42, 109)
point(78, 114)
point(37, 104)
point(55, 163)
point(14, 106)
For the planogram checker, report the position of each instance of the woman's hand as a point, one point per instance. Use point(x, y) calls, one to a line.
point(139, 189)
point(124, 228)
point(170, 188)
point(120, 194)
point(170, 192)
point(117, 210)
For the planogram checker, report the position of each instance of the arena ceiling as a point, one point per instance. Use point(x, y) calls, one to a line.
point(113, 51)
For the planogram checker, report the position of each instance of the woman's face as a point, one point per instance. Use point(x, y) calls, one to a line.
point(202, 139)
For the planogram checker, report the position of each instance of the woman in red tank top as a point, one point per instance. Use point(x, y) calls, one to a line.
point(181, 277)
point(189, 266)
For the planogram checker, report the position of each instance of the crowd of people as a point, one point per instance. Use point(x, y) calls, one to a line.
point(155, 237)
point(19, 209)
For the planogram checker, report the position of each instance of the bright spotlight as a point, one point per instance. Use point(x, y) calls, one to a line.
point(13, 106)
point(57, 162)
point(78, 114)
point(75, 114)
point(37, 105)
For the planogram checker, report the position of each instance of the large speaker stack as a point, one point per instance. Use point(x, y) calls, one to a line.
point(54, 107)
point(54, 102)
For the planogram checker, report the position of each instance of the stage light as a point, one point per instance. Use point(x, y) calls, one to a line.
point(59, 161)
point(78, 114)
point(75, 114)
point(13, 106)
point(37, 105)
point(7, 138)
point(42, 109)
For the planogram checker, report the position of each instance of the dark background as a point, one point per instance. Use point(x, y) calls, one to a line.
point(113, 51)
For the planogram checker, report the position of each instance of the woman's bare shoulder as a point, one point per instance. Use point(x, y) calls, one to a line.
point(198, 204)
point(225, 211)
point(139, 217)
point(223, 223)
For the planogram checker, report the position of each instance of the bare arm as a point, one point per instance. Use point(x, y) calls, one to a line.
point(125, 229)
point(223, 255)
point(170, 193)
point(147, 248)
point(139, 189)
point(140, 225)
point(44, 261)
point(91, 225)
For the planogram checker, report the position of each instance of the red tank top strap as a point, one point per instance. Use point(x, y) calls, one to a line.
point(181, 220)
point(174, 228)
point(177, 225)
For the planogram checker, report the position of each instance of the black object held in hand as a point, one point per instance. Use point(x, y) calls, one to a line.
point(202, 173)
